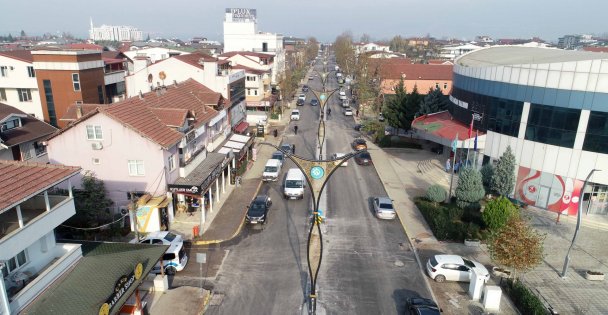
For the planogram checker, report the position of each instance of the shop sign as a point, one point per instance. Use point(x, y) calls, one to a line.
point(189, 189)
point(242, 14)
point(214, 174)
point(120, 288)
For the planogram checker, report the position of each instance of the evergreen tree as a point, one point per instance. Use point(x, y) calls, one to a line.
point(470, 188)
point(412, 106)
point(503, 180)
point(10, 38)
point(434, 101)
point(487, 172)
point(91, 203)
point(395, 109)
point(148, 37)
point(23, 33)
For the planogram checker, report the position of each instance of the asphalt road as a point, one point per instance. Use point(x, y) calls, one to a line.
point(368, 266)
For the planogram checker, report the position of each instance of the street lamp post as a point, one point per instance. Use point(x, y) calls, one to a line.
point(578, 223)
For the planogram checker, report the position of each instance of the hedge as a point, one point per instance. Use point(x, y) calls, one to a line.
point(525, 301)
point(446, 222)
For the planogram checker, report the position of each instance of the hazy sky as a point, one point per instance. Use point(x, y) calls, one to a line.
point(324, 19)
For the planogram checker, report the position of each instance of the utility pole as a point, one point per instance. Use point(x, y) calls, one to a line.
point(134, 214)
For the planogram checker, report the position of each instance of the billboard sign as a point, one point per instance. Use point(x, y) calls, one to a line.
point(242, 14)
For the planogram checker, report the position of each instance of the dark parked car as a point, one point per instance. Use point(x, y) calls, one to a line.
point(278, 155)
point(304, 88)
point(358, 127)
point(257, 211)
point(314, 102)
point(286, 147)
point(300, 102)
point(359, 144)
point(363, 158)
point(421, 306)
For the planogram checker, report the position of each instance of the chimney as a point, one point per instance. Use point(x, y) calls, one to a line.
point(175, 83)
point(163, 89)
point(78, 110)
point(141, 95)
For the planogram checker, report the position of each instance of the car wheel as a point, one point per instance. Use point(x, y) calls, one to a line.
point(170, 270)
point(439, 278)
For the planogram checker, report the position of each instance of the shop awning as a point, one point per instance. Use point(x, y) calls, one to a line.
point(241, 127)
point(234, 145)
point(103, 269)
point(202, 176)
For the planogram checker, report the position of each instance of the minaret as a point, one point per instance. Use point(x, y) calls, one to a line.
point(91, 23)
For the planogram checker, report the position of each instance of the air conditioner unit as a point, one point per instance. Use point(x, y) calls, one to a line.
point(96, 146)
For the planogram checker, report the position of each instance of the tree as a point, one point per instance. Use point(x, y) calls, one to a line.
point(148, 37)
point(516, 245)
point(23, 33)
point(365, 38)
point(91, 203)
point(470, 189)
point(436, 194)
point(395, 109)
point(10, 38)
point(498, 212)
point(503, 180)
point(412, 105)
point(487, 171)
point(434, 101)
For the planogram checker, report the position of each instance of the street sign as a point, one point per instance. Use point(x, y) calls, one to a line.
point(323, 97)
point(317, 172)
point(201, 258)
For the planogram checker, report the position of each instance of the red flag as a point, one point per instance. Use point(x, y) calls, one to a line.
point(471, 126)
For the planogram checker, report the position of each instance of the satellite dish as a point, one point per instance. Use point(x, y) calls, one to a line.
point(162, 75)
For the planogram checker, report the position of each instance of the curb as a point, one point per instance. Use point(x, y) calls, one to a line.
point(236, 233)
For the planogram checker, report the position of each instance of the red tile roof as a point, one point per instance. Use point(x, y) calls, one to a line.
point(23, 55)
point(71, 114)
point(138, 113)
point(31, 128)
point(84, 46)
point(250, 70)
point(596, 49)
point(394, 69)
point(194, 58)
point(171, 117)
point(22, 180)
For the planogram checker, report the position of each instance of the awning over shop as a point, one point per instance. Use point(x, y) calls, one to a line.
point(442, 128)
point(202, 176)
point(105, 277)
point(234, 145)
point(156, 202)
point(241, 127)
point(238, 144)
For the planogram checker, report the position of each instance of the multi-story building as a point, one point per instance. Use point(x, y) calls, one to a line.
point(115, 33)
point(22, 136)
point(216, 74)
point(152, 55)
point(551, 107)
point(258, 73)
point(176, 130)
point(367, 47)
point(452, 52)
point(241, 34)
point(569, 42)
point(423, 76)
point(18, 85)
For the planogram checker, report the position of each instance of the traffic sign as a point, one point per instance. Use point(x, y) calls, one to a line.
point(317, 172)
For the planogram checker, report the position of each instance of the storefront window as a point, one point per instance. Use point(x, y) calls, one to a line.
point(596, 137)
point(552, 125)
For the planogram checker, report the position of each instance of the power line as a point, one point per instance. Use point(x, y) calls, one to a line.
point(95, 228)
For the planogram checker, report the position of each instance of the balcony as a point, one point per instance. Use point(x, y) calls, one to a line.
point(114, 77)
point(32, 219)
point(40, 274)
point(185, 167)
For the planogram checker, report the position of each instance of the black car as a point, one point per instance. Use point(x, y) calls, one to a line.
point(359, 144)
point(314, 102)
point(258, 210)
point(421, 306)
point(363, 158)
point(300, 102)
point(286, 147)
point(304, 88)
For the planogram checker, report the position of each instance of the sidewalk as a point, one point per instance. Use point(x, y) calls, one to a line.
point(228, 216)
point(573, 295)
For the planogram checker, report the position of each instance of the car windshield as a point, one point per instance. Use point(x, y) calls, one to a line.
point(468, 263)
point(170, 236)
point(270, 169)
point(256, 209)
point(386, 206)
point(293, 184)
point(286, 147)
point(365, 156)
point(277, 156)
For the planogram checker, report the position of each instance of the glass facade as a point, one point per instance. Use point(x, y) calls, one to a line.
point(596, 138)
point(497, 114)
point(50, 103)
point(552, 125)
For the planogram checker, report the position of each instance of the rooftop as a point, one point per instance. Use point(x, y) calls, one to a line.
point(516, 55)
point(397, 68)
point(22, 180)
point(31, 128)
point(23, 55)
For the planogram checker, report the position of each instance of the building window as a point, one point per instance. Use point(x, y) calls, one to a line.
point(596, 136)
point(445, 86)
point(136, 168)
point(10, 124)
point(30, 72)
point(552, 125)
point(76, 81)
point(24, 95)
point(100, 94)
point(14, 263)
point(436, 85)
point(255, 92)
point(26, 152)
point(2, 94)
point(251, 78)
point(94, 132)
point(171, 162)
point(39, 148)
point(50, 103)
point(3, 71)
point(96, 161)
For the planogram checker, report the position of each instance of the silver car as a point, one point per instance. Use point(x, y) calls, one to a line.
point(383, 208)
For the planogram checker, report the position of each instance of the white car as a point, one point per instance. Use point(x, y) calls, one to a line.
point(336, 156)
point(295, 114)
point(453, 268)
point(302, 96)
point(348, 112)
point(383, 208)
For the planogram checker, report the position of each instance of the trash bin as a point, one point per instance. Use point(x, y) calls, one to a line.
point(195, 230)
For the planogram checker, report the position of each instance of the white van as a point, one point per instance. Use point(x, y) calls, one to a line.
point(271, 170)
point(342, 95)
point(294, 185)
point(175, 258)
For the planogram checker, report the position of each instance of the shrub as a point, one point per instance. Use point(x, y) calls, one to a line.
point(487, 171)
point(525, 301)
point(498, 212)
point(436, 194)
point(503, 179)
point(384, 141)
point(470, 189)
point(445, 221)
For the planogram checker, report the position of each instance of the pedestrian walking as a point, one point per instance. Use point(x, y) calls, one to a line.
point(357, 113)
point(276, 133)
point(293, 148)
point(295, 129)
point(329, 112)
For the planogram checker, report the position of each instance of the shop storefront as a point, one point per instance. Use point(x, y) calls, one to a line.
point(241, 146)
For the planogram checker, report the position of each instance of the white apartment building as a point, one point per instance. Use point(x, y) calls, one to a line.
point(30, 209)
point(18, 85)
point(241, 34)
point(154, 54)
point(115, 33)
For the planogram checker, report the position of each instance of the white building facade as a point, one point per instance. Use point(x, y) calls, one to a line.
point(18, 85)
point(115, 33)
point(551, 107)
point(241, 34)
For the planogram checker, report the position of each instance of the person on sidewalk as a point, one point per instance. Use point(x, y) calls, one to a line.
point(295, 129)
point(276, 133)
point(357, 113)
point(328, 112)
point(293, 149)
